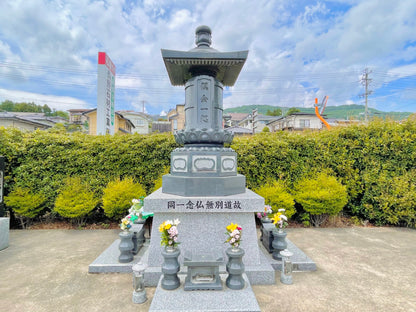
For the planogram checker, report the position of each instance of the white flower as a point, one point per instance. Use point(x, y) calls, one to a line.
point(237, 236)
point(168, 222)
point(235, 232)
point(176, 222)
point(281, 210)
point(135, 201)
point(283, 217)
point(232, 240)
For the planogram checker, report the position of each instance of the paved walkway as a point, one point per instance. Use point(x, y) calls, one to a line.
point(359, 269)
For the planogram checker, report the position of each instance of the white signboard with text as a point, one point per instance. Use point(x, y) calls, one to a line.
point(106, 75)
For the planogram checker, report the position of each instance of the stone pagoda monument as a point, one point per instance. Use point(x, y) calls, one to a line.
point(204, 190)
point(203, 167)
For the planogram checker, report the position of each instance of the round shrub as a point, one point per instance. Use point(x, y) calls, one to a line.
point(25, 204)
point(276, 195)
point(320, 196)
point(118, 195)
point(75, 200)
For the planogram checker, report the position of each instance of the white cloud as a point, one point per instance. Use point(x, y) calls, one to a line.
point(298, 50)
point(62, 103)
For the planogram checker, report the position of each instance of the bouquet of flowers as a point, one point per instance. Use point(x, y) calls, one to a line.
point(169, 233)
point(137, 207)
point(267, 210)
point(234, 235)
point(280, 220)
point(125, 224)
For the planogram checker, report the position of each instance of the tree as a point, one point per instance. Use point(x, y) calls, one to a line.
point(275, 112)
point(292, 110)
point(7, 106)
point(46, 109)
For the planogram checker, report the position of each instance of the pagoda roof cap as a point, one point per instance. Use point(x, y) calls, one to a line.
point(224, 66)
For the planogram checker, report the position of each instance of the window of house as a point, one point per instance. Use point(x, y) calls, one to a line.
point(139, 122)
point(305, 123)
point(175, 124)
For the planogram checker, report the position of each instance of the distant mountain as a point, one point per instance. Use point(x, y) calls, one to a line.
point(352, 111)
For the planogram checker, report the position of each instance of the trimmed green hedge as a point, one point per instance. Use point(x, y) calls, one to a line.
point(370, 160)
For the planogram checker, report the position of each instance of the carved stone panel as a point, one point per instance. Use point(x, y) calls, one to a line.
point(204, 163)
point(228, 163)
point(179, 163)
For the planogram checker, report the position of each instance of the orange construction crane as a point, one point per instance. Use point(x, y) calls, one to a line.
point(319, 109)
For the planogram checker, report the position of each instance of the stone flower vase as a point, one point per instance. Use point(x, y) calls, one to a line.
point(235, 268)
point(126, 246)
point(279, 243)
point(170, 268)
point(265, 220)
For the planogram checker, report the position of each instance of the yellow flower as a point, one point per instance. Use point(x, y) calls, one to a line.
point(162, 227)
point(168, 226)
point(232, 227)
point(276, 218)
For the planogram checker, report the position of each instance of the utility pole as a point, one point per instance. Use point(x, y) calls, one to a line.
point(365, 81)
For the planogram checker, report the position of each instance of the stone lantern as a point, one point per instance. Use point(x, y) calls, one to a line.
point(203, 166)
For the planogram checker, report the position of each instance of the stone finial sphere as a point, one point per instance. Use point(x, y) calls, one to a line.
point(203, 36)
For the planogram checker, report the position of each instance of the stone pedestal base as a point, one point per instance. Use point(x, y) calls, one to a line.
point(139, 297)
point(202, 229)
point(203, 186)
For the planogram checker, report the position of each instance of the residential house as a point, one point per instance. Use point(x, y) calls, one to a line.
point(295, 122)
point(161, 126)
point(121, 124)
point(256, 124)
point(13, 120)
point(261, 121)
point(176, 117)
point(246, 122)
point(141, 121)
point(41, 117)
point(232, 119)
point(76, 116)
point(237, 131)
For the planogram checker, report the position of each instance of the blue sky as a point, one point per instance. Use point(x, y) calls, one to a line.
point(298, 50)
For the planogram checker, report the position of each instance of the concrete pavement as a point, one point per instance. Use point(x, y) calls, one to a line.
point(359, 269)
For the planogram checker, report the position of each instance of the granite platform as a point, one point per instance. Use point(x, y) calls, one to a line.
point(205, 300)
point(107, 262)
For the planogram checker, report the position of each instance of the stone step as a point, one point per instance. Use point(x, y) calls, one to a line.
point(205, 300)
